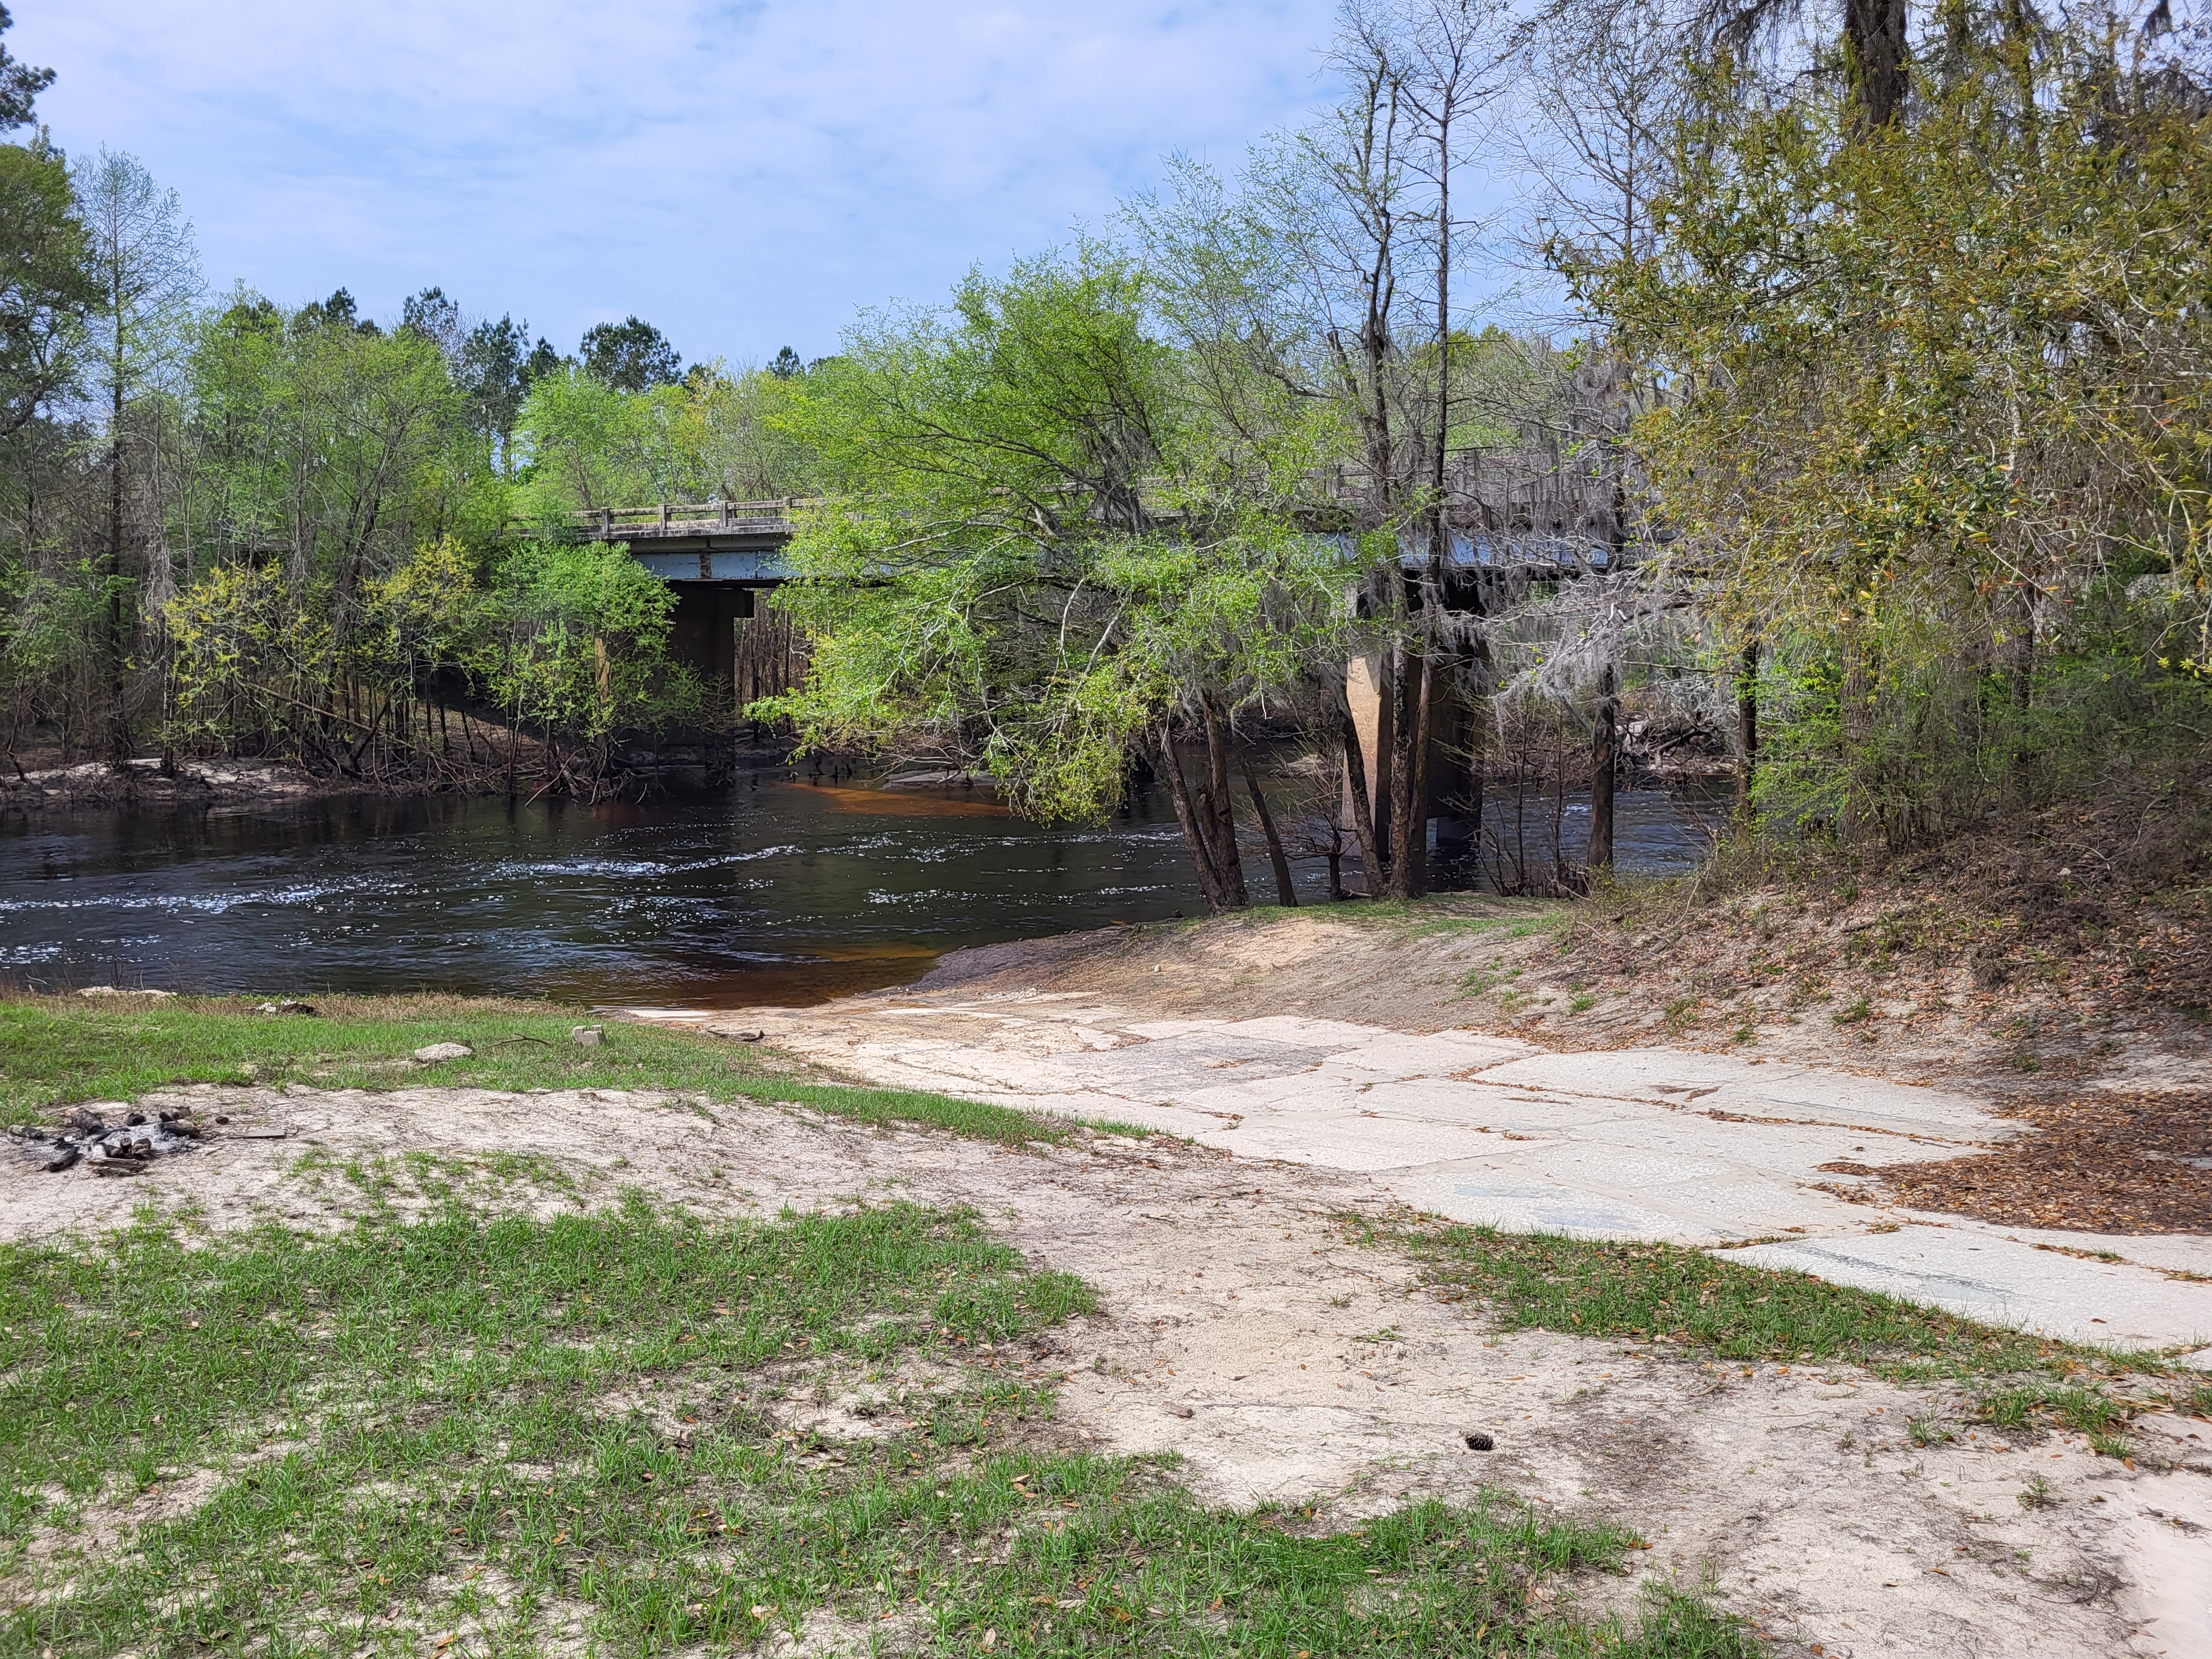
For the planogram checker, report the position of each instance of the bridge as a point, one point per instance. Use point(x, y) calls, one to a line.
point(738, 542)
point(715, 555)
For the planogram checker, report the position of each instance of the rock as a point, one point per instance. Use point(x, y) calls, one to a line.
point(1180, 1411)
point(288, 1006)
point(587, 1037)
point(119, 991)
point(431, 1053)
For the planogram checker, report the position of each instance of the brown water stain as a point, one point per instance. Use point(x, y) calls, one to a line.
point(903, 803)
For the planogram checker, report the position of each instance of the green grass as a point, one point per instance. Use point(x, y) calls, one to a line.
point(1448, 914)
point(2091, 1412)
point(1701, 1302)
point(55, 1051)
point(577, 1433)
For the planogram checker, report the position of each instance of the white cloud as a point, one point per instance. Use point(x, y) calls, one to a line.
point(743, 175)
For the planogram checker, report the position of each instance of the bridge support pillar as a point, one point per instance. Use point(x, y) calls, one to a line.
point(703, 632)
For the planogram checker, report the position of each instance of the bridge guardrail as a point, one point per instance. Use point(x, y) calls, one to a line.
point(685, 517)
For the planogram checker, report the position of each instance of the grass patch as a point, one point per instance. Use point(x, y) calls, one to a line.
point(1649, 1293)
point(1454, 914)
point(566, 1432)
point(1665, 1293)
point(1481, 981)
point(58, 1050)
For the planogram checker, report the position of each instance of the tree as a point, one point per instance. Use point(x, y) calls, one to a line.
point(630, 356)
point(19, 83)
point(785, 365)
point(340, 311)
point(47, 286)
point(738, 438)
point(1327, 271)
point(1935, 425)
point(148, 273)
point(1040, 553)
point(592, 445)
point(496, 368)
point(437, 320)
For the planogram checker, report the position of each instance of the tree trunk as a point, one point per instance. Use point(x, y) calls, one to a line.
point(1855, 720)
point(1220, 814)
point(1409, 776)
point(1747, 730)
point(118, 647)
point(1286, 894)
point(1875, 61)
point(1601, 748)
point(1362, 810)
point(1210, 883)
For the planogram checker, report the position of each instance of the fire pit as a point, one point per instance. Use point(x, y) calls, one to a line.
point(110, 1148)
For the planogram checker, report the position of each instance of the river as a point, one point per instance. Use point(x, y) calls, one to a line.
point(778, 891)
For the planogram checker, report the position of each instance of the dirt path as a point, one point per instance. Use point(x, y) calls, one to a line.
point(1243, 1332)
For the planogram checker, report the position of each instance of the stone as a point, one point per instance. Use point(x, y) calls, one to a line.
point(587, 1037)
point(119, 991)
point(431, 1053)
point(288, 1006)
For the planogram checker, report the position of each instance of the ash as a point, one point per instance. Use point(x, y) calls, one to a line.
point(107, 1148)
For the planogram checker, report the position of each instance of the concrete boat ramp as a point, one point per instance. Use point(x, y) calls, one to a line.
point(1716, 1150)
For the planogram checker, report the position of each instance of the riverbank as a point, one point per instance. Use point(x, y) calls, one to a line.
point(1296, 1337)
point(147, 781)
point(2080, 1018)
point(144, 782)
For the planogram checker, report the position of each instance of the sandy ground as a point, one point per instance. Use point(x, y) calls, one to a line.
point(1734, 1151)
point(1241, 1331)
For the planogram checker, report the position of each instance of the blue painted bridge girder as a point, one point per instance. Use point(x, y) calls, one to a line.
point(748, 567)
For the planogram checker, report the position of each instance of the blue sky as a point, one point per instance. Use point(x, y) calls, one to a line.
point(743, 175)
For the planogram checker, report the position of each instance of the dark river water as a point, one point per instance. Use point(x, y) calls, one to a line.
point(777, 892)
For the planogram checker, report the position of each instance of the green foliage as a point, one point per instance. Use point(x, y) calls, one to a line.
point(47, 289)
point(45, 619)
point(632, 355)
point(711, 436)
point(1044, 539)
point(1935, 429)
point(580, 640)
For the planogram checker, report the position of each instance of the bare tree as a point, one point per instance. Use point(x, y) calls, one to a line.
point(142, 255)
point(1455, 58)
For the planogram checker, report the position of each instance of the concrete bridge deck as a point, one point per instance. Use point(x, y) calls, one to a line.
point(735, 542)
